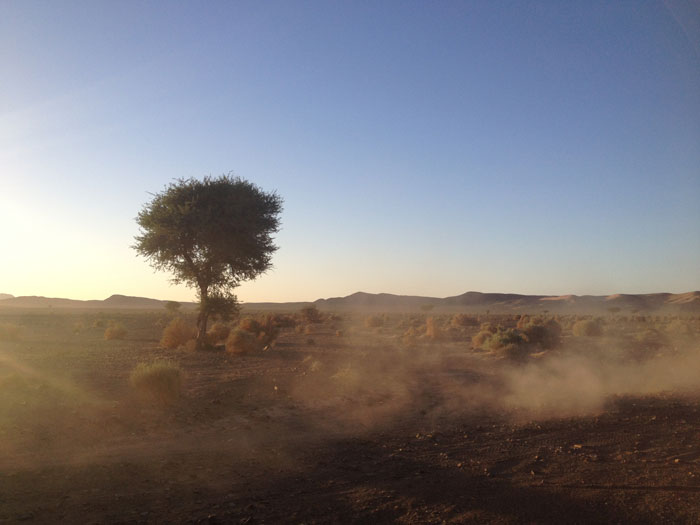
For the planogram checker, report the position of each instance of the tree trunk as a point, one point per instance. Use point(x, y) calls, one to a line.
point(202, 320)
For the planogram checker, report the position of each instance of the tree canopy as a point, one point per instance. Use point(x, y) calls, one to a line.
point(211, 234)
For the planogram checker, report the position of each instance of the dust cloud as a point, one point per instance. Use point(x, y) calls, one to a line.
point(378, 385)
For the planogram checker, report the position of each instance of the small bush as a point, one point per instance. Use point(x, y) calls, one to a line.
point(504, 338)
point(9, 332)
point(159, 381)
point(587, 327)
point(177, 333)
point(243, 342)
point(173, 307)
point(480, 339)
point(464, 321)
point(115, 330)
point(217, 333)
point(546, 334)
point(265, 330)
point(432, 330)
point(310, 314)
point(250, 325)
point(282, 320)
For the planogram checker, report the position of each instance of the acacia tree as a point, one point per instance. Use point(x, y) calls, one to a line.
point(212, 234)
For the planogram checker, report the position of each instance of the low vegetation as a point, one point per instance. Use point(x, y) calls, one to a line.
point(158, 381)
point(588, 328)
point(178, 333)
point(115, 330)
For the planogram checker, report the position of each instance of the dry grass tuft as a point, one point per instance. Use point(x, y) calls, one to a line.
point(587, 327)
point(159, 381)
point(432, 330)
point(243, 342)
point(177, 333)
point(218, 333)
point(115, 330)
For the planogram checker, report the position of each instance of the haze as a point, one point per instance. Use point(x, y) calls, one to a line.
point(424, 149)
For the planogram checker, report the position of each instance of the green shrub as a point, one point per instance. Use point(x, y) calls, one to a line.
point(504, 338)
point(115, 330)
point(546, 334)
point(510, 344)
point(159, 381)
point(177, 333)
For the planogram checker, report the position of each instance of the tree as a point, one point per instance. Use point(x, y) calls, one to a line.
point(212, 234)
point(173, 307)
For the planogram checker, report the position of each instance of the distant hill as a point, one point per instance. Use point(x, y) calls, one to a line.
point(661, 303)
point(5, 296)
point(470, 302)
point(114, 302)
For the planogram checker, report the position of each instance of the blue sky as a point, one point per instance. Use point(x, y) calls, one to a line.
point(421, 147)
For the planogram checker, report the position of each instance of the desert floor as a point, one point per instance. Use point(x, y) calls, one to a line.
point(340, 423)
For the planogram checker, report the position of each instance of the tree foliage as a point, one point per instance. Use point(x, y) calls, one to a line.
point(211, 234)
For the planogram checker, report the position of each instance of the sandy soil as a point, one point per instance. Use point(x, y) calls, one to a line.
point(324, 429)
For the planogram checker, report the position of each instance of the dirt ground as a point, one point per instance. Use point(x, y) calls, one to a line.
point(329, 427)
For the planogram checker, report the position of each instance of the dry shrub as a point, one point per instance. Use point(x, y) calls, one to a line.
point(374, 321)
point(115, 330)
point(219, 332)
point(432, 330)
point(243, 342)
point(281, 320)
point(545, 333)
point(464, 321)
point(177, 333)
point(159, 381)
point(9, 332)
point(587, 327)
point(479, 340)
point(523, 322)
point(99, 323)
point(264, 330)
point(310, 314)
point(250, 325)
point(190, 346)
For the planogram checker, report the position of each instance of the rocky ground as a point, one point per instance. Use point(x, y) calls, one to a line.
point(323, 429)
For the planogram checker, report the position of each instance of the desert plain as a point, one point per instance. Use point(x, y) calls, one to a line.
point(351, 416)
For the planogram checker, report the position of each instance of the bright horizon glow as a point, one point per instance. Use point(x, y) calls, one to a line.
point(549, 149)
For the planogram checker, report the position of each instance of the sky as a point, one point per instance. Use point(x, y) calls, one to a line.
point(421, 148)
